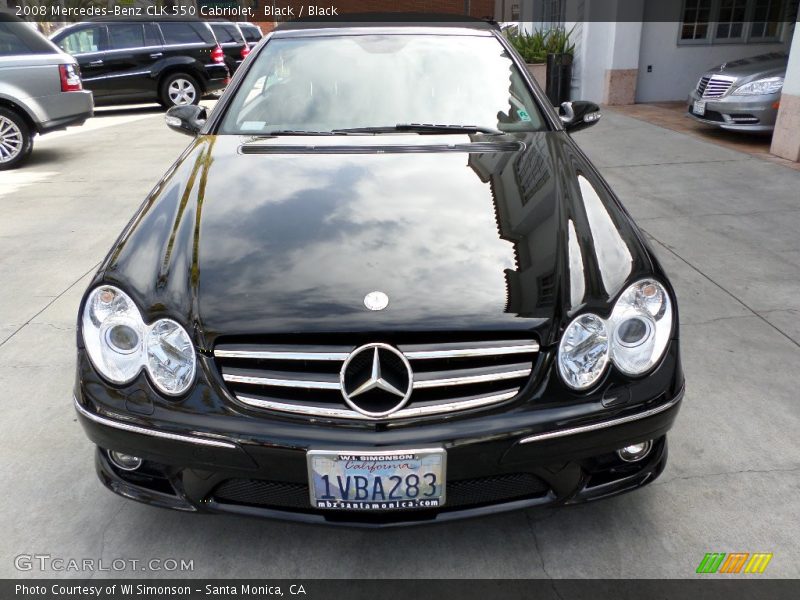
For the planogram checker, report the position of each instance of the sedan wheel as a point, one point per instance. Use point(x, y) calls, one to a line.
point(182, 91)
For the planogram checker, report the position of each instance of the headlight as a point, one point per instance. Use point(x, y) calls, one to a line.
point(770, 85)
point(170, 357)
point(583, 351)
point(634, 337)
point(113, 332)
point(640, 326)
point(120, 344)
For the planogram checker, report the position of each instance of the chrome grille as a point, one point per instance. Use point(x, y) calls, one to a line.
point(714, 86)
point(304, 378)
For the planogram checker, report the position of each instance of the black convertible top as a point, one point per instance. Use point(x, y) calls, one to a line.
point(393, 19)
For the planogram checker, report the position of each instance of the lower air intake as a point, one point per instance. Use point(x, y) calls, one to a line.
point(463, 494)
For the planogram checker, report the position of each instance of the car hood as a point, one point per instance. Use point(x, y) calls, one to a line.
point(251, 237)
point(754, 67)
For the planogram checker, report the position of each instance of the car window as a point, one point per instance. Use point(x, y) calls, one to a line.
point(151, 35)
point(180, 33)
point(251, 34)
point(79, 42)
point(223, 34)
point(10, 42)
point(343, 82)
point(17, 37)
point(233, 31)
point(125, 35)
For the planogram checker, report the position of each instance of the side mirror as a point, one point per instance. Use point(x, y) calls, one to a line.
point(188, 119)
point(579, 115)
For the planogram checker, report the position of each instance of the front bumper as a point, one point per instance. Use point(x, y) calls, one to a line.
point(499, 460)
point(737, 113)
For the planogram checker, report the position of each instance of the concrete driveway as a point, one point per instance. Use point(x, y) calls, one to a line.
point(725, 226)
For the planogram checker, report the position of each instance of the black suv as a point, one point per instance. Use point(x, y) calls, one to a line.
point(252, 33)
point(173, 62)
point(231, 40)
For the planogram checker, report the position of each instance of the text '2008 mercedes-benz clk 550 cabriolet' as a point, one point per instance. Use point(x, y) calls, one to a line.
point(381, 286)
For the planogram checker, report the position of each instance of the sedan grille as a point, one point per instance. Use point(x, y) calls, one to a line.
point(304, 378)
point(714, 86)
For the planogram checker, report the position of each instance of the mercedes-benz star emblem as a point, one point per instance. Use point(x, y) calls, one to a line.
point(376, 380)
point(376, 300)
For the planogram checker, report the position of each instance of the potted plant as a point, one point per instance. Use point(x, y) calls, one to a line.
point(560, 51)
point(533, 49)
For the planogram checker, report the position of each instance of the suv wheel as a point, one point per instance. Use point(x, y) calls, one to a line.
point(179, 89)
point(16, 141)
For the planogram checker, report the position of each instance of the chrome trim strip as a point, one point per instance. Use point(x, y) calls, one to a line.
point(339, 413)
point(266, 354)
point(411, 354)
point(467, 379)
point(151, 432)
point(129, 50)
point(467, 352)
point(292, 383)
point(116, 76)
point(602, 425)
point(433, 409)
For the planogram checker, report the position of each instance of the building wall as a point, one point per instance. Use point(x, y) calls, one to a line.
point(606, 61)
point(786, 139)
point(612, 58)
point(676, 69)
point(476, 8)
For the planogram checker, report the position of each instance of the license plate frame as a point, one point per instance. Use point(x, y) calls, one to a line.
point(385, 464)
point(699, 108)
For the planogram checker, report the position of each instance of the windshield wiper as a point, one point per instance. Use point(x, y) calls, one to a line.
point(291, 132)
point(421, 128)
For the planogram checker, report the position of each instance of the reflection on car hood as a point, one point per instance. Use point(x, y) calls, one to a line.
point(514, 235)
point(763, 65)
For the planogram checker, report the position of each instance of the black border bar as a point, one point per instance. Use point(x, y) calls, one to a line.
point(417, 11)
point(702, 588)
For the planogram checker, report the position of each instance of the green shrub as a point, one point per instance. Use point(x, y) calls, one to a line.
point(534, 47)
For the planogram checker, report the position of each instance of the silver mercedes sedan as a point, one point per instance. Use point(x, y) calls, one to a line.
point(741, 95)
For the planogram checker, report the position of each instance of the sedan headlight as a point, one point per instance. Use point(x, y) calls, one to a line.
point(120, 344)
point(170, 357)
point(769, 85)
point(641, 324)
point(633, 338)
point(583, 351)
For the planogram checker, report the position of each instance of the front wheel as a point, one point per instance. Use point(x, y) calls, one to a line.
point(16, 141)
point(179, 89)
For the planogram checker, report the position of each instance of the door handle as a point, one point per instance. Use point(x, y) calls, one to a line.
point(156, 55)
point(95, 63)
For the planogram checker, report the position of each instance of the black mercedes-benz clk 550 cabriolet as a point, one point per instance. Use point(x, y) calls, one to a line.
point(382, 285)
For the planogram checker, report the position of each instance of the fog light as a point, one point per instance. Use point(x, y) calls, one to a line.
point(635, 452)
point(126, 462)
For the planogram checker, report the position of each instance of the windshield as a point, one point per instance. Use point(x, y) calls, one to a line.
point(329, 84)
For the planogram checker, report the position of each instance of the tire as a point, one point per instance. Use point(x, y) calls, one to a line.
point(179, 89)
point(16, 139)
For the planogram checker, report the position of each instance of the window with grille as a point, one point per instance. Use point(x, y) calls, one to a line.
point(734, 21)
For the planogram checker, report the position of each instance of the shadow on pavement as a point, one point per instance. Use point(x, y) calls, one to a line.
point(43, 156)
point(116, 111)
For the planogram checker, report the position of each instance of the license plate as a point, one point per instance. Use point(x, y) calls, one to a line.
point(391, 480)
point(699, 108)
